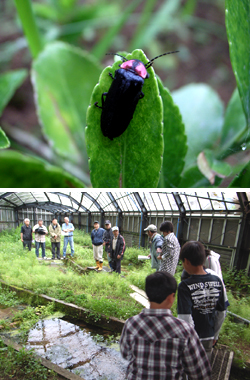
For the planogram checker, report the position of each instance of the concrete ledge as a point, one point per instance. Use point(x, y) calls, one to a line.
point(70, 309)
point(76, 266)
point(46, 363)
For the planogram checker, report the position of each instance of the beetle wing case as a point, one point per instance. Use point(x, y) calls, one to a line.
point(120, 103)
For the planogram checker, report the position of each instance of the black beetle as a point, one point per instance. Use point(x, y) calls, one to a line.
point(124, 93)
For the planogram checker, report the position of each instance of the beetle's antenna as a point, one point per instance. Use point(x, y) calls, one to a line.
point(150, 63)
point(125, 59)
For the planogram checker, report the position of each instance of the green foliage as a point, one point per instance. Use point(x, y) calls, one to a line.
point(8, 299)
point(9, 82)
point(62, 94)
point(128, 155)
point(175, 139)
point(237, 23)
point(197, 140)
point(37, 172)
point(234, 129)
point(237, 281)
point(203, 125)
point(82, 238)
point(22, 365)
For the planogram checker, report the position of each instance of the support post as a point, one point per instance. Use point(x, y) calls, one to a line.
point(243, 246)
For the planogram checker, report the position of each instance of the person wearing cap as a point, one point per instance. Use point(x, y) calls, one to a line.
point(170, 250)
point(118, 246)
point(68, 229)
point(97, 244)
point(106, 240)
point(156, 241)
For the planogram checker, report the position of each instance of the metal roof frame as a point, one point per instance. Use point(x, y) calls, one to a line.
point(132, 201)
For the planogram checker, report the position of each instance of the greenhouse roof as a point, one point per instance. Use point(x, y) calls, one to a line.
point(94, 201)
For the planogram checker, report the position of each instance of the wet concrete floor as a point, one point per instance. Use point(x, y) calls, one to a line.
point(79, 348)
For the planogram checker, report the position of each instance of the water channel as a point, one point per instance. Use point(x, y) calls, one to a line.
point(82, 349)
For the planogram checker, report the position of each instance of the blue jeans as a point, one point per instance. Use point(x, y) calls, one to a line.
point(38, 244)
point(68, 239)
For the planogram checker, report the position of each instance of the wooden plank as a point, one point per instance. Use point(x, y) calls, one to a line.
point(229, 365)
point(140, 299)
point(139, 291)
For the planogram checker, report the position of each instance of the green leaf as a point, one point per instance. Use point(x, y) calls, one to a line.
point(63, 78)
point(4, 141)
point(202, 113)
point(210, 167)
point(133, 159)
point(9, 82)
point(175, 139)
point(242, 179)
point(238, 32)
point(193, 178)
point(234, 126)
point(18, 170)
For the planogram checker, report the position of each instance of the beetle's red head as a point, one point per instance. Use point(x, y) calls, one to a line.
point(136, 67)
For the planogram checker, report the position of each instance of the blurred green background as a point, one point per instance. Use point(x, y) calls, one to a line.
point(194, 27)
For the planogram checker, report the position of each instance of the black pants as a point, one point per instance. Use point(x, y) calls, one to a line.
point(116, 265)
point(56, 250)
point(28, 243)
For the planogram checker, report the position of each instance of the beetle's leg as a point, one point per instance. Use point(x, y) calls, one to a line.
point(141, 95)
point(111, 75)
point(96, 103)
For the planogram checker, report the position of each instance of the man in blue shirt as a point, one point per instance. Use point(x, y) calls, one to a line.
point(97, 243)
point(68, 229)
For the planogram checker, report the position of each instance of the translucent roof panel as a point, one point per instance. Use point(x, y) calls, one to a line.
point(127, 201)
point(54, 197)
point(106, 202)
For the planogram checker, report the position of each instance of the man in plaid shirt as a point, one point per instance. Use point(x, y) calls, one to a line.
point(158, 345)
point(170, 249)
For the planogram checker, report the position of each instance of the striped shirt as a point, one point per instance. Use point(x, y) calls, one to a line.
point(170, 253)
point(160, 346)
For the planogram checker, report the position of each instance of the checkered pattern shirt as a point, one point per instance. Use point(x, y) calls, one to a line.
point(170, 253)
point(160, 346)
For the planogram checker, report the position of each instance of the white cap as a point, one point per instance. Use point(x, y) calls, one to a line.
point(115, 228)
point(151, 227)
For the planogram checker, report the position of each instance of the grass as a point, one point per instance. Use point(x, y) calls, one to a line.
point(22, 365)
point(103, 293)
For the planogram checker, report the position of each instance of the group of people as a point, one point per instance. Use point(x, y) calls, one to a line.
point(160, 346)
point(114, 244)
point(55, 231)
point(110, 238)
point(156, 344)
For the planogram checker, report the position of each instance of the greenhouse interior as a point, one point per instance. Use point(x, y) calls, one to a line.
point(72, 314)
point(220, 220)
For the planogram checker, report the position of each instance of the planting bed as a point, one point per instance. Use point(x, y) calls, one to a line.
point(101, 298)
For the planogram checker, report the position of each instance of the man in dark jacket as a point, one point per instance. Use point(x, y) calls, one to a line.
point(118, 247)
point(106, 240)
point(26, 234)
point(97, 243)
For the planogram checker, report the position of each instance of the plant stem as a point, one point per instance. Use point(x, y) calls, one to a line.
point(25, 12)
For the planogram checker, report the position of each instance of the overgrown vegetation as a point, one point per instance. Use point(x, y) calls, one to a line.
point(101, 293)
point(22, 365)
